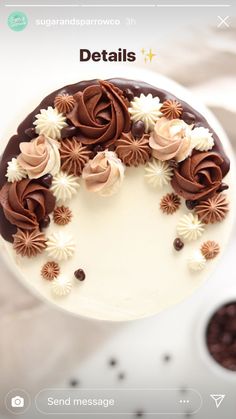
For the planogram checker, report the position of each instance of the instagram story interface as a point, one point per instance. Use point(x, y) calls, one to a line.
point(117, 209)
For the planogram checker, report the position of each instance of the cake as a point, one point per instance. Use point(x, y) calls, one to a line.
point(114, 192)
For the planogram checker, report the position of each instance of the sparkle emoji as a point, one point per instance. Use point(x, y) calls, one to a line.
point(148, 55)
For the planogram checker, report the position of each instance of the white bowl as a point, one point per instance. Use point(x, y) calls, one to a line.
point(210, 308)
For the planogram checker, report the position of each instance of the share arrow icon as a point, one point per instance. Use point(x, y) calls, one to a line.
point(218, 399)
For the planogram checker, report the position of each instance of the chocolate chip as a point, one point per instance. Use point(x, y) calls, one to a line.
point(69, 131)
point(138, 129)
point(190, 204)
point(30, 132)
point(231, 325)
point(221, 336)
point(188, 117)
point(98, 148)
point(46, 180)
point(229, 363)
point(178, 244)
point(167, 358)
point(112, 362)
point(226, 338)
point(129, 94)
point(111, 147)
point(44, 223)
point(223, 187)
point(139, 413)
point(216, 348)
point(121, 376)
point(74, 382)
point(80, 275)
point(173, 163)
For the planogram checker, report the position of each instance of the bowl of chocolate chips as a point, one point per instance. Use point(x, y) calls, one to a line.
point(218, 334)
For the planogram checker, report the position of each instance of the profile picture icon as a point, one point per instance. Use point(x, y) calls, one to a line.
point(17, 21)
point(17, 401)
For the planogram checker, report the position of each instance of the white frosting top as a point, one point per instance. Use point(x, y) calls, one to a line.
point(49, 122)
point(190, 227)
point(146, 109)
point(202, 139)
point(14, 171)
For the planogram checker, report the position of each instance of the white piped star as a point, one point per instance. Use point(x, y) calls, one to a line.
point(146, 109)
point(197, 261)
point(61, 286)
point(64, 186)
point(49, 122)
point(15, 172)
point(60, 246)
point(190, 227)
point(158, 173)
point(202, 139)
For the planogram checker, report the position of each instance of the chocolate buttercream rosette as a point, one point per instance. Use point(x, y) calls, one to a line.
point(91, 135)
point(101, 114)
point(199, 176)
point(25, 204)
